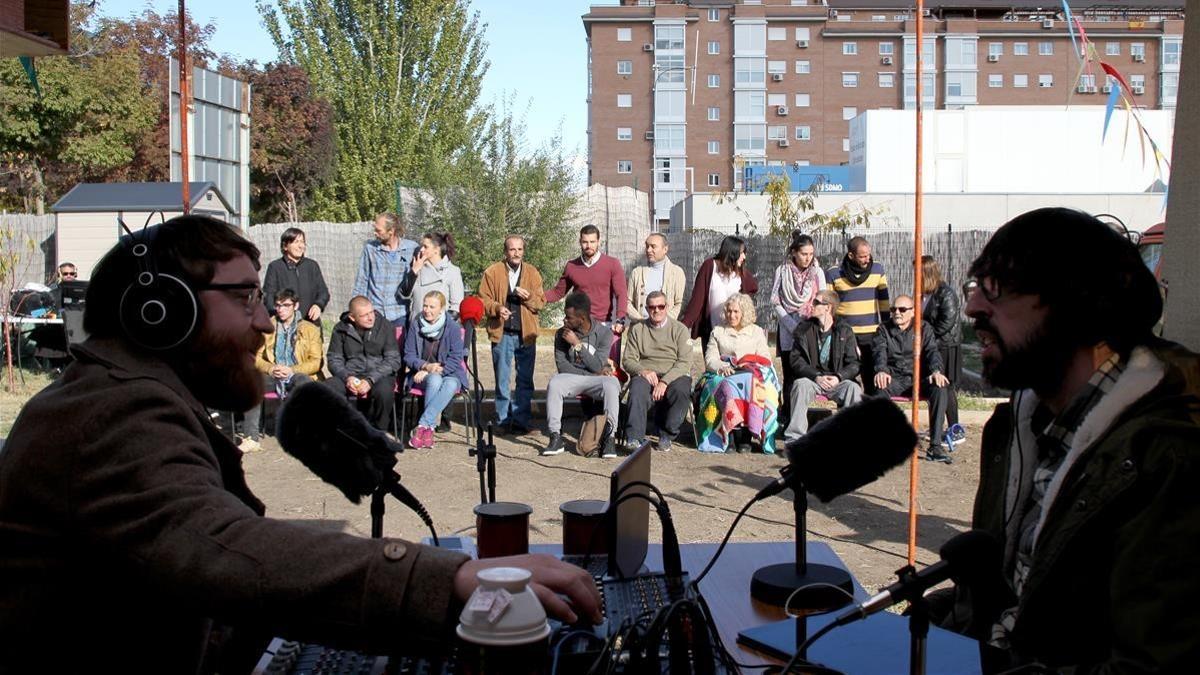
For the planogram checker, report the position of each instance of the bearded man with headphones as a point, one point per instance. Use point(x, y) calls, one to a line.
point(127, 530)
point(1090, 475)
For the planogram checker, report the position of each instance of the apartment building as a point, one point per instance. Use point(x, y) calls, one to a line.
point(683, 94)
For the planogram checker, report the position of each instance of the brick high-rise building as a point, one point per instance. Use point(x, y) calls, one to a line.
point(682, 94)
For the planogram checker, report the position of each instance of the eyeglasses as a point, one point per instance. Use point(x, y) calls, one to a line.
point(285, 304)
point(70, 274)
point(251, 295)
point(656, 307)
point(901, 310)
point(820, 303)
point(988, 286)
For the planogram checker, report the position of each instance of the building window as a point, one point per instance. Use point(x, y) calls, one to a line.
point(1045, 48)
point(960, 53)
point(624, 34)
point(624, 100)
point(849, 48)
point(776, 100)
point(714, 147)
point(1045, 80)
point(624, 166)
point(1170, 52)
point(714, 81)
point(749, 39)
point(714, 180)
point(849, 113)
point(849, 79)
point(887, 80)
point(1138, 84)
point(777, 133)
point(803, 67)
point(996, 49)
point(668, 37)
point(1020, 80)
point(803, 34)
point(776, 34)
point(1138, 51)
point(960, 85)
point(774, 67)
point(624, 134)
point(879, 17)
point(1112, 48)
point(887, 48)
point(995, 81)
point(624, 67)
point(1020, 49)
point(749, 138)
point(749, 71)
point(803, 100)
point(714, 47)
point(1087, 82)
point(804, 133)
point(749, 106)
point(714, 114)
point(845, 145)
point(1170, 88)
point(714, 14)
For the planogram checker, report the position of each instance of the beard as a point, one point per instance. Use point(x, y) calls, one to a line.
point(218, 372)
point(1039, 362)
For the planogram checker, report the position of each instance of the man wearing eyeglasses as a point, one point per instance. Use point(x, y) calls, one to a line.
point(658, 359)
point(893, 352)
point(824, 362)
point(1088, 475)
point(126, 522)
point(67, 272)
point(287, 358)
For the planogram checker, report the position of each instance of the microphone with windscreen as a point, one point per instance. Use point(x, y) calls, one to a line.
point(841, 454)
point(470, 311)
point(319, 427)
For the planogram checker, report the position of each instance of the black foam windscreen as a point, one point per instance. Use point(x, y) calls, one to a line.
point(854, 447)
point(319, 427)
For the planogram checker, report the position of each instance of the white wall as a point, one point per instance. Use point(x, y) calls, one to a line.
point(964, 211)
point(1010, 149)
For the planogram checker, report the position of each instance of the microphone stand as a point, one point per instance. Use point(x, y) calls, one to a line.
point(918, 624)
point(484, 453)
point(778, 584)
point(390, 485)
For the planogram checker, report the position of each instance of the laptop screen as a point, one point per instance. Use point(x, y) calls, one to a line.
point(629, 538)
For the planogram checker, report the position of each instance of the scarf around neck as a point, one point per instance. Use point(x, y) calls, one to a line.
point(853, 273)
point(431, 331)
point(796, 290)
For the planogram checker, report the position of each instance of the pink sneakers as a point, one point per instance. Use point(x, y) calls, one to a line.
point(421, 437)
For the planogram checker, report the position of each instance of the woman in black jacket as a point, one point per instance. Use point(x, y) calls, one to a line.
point(941, 310)
point(302, 275)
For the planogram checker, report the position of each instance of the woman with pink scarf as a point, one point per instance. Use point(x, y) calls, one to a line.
point(796, 284)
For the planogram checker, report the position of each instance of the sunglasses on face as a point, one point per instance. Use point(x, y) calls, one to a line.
point(655, 308)
point(901, 310)
point(820, 303)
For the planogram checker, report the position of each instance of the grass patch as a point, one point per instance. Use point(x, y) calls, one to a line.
point(978, 403)
point(11, 402)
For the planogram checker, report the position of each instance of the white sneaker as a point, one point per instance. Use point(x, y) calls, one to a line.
point(248, 445)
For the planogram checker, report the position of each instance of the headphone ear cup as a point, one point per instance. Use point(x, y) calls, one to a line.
point(159, 311)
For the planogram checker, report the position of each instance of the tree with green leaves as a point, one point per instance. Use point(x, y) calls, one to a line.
point(506, 188)
point(402, 76)
point(83, 123)
point(789, 211)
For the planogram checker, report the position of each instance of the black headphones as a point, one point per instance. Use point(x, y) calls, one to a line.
point(158, 310)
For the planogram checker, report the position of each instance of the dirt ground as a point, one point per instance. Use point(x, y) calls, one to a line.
point(868, 529)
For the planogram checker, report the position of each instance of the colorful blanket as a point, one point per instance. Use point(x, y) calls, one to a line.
point(749, 397)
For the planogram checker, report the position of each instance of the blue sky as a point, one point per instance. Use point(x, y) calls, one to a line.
point(536, 49)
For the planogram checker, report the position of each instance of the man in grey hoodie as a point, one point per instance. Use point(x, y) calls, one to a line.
point(581, 349)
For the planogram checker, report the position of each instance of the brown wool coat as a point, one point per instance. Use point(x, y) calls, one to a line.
point(493, 290)
point(128, 530)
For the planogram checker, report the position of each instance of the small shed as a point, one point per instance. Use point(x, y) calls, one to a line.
point(87, 226)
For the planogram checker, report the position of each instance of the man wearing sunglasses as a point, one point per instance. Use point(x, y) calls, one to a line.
point(823, 360)
point(893, 352)
point(126, 522)
point(1088, 475)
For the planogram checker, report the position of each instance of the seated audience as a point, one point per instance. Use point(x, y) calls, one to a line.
point(289, 356)
point(363, 358)
point(658, 358)
point(893, 350)
point(823, 361)
point(581, 350)
point(739, 393)
point(433, 352)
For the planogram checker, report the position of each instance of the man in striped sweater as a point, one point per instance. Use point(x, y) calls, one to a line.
point(862, 289)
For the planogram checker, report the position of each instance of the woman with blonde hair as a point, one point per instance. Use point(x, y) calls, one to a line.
point(739, 393)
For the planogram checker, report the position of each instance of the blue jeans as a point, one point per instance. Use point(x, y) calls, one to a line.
point(511, 348)
point(439, 391)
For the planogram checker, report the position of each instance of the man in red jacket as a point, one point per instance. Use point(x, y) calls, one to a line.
point(599, 276)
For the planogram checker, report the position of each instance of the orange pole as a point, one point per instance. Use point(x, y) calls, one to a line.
point(918, 250)
point(183, 109)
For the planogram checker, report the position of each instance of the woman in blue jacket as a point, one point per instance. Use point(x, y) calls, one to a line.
point(433, 353)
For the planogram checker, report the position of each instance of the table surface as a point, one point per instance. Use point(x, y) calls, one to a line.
point(727, 586)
